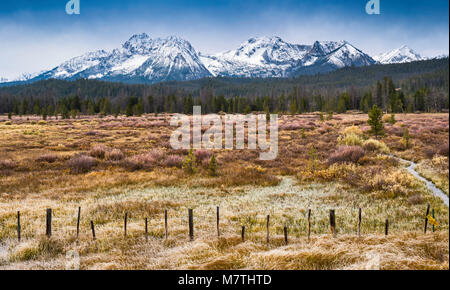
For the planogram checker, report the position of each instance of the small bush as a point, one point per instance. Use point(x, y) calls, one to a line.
point(144, 161)
point(115, 155)
point(173, 161)
point(81, 164)
point(156, 154)
point(49, 158)
point(350, 140)
point(7, 164)
point(353, 130)
point(375, 146)
point(346, 154)
point(443, 149)
point(98, 151)
point(202, 154)
point(415, 199)
point(429, 152)
point(386, 119)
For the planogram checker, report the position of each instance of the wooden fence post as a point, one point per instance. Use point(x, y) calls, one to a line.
point(78, 221)
point(191, 224)
point(285, 235)
point(243, 234)
point(268, 233)
point(359, 221)
point(432, 215)
point(93, 230)
point(333, 222)
point(18, 226)
point(217, 219)
point(386, 228)
point(146, 229)
point(125, 225)
point(426, 218)
point(48, 230)
point(309, 225)
point(165, 224)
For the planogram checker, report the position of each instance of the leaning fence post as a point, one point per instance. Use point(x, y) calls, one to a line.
point(78, 221)
point(18, 226)
point(217, 219)
point(309, 225)
point(243, 234)
point(268, 233)
point(48, 230)
point(359, 222)
point(386, 228)
point(191, 224)
point(333, 222)
point(125, 225)
point(165, 224)
point(285, 235)
point(426, 218)
point(93, 230)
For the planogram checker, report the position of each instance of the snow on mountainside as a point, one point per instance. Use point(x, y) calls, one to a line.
point(258, 57)
point(272, 57)
point(400, 55)
point(142, 59)
point(331, 55)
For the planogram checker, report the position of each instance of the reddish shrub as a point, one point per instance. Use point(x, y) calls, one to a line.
point(346, 154)
point(7, 164)
point(202, 154)
point(173, 161)
point(49, 158)
point(156, 154)
point(98, 151)
point(115, 155)
point(443, 149)
point(81, 164)
point(429, 152)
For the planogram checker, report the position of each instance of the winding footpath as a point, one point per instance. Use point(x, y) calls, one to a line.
point(430, 185)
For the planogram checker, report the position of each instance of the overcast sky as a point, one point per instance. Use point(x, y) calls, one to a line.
point(38, 35)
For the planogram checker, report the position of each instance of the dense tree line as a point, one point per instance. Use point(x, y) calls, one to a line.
point(420, 86)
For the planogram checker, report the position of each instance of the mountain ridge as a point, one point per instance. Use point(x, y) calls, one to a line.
point(142, 59)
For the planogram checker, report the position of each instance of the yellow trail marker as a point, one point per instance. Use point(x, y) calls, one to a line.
point(432, 220)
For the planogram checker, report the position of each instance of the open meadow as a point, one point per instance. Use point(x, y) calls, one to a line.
point(115, 166)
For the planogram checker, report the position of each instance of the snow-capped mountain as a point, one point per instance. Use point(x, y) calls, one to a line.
point(142, 59)
point(273, 57)
point(400, 55)
point(327, 56)
point(3, 80)
point(258, 57)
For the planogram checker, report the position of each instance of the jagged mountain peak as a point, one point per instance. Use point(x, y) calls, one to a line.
point(402, 54)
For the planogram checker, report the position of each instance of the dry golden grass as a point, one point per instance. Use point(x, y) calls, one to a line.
point(35, 174)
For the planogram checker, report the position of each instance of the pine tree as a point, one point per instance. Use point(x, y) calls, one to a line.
point(212, 167)
point(189, 163)
point(375, 121)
